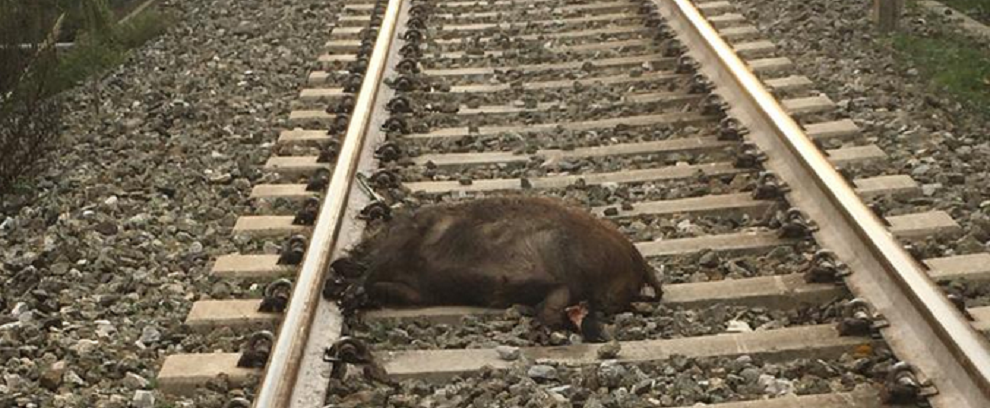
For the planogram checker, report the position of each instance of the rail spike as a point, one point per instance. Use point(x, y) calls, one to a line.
point(349, 350)
point(903, 387)
point(671, 48)
point(879, 208)
point(385, 178)
point(408, 66)
point(411, 51)
point(307, 215)
point(353, 82)
point(420, 10)
point(276, 296)
point(796, 225)
point(824, 267)
point(377, 210)
point(319, 180)
point(293, 250)
point(238, 402)
point(750, 157)
point(685, 64)
point(413, 35)
point(256, 350)
point(769, 187)
point(340, 123)
point(859, 319)
point(327, 153)
point(388, 152)
point(960, 303)
point(396, 124)
point(404, 83)
point(416, 23)
point(663, 32)
point(714, 105)
point(700, 84)
point(399, 104)
point(730, 129)
point(359, 66)
point(344, 107)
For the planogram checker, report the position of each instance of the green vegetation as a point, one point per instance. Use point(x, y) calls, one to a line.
point(29, 117)
point(143, 27)
point(74, 9)
point(102, 43)
point(953, 64)
point(977, 9)
point(32, 76)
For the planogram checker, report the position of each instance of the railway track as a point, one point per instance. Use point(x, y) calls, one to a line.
point(672, 119)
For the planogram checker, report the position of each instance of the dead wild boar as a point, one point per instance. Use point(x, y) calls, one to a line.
point(497, 252)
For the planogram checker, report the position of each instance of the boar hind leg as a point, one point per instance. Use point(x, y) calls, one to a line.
point(395, 294)
point(551, 310)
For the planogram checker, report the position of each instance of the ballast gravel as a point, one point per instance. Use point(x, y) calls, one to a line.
point(939, 142)
point(679, 381)
point(102, 259)
point(517, 326)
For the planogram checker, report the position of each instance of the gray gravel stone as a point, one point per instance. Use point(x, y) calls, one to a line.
point(143, 399)
point(542, 372)
point(518, 328)
point(72, 378)
point(19, 309)
point(135, 381)
point(750, 374)
point(775, 386)
point(609, 350)
point(508, 353)
point(558, 339)
point(105, 329)
point(13, 382)
point(85, 346)
point(150, 335)
point(51, 378)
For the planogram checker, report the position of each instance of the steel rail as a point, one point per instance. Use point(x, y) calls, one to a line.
point(282, 369)
point(924, 325)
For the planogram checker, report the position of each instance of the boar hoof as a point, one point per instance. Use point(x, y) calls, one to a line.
point(334, 287)
point(348, 268)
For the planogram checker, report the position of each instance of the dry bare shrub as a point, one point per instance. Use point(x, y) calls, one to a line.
point(30, 117)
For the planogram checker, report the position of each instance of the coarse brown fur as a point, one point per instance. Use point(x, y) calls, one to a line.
point(496, 252)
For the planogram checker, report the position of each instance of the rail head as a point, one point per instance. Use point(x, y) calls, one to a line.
point(281, 372)
point(925, 326)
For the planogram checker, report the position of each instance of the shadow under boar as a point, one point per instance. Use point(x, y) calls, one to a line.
point(498, 252)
